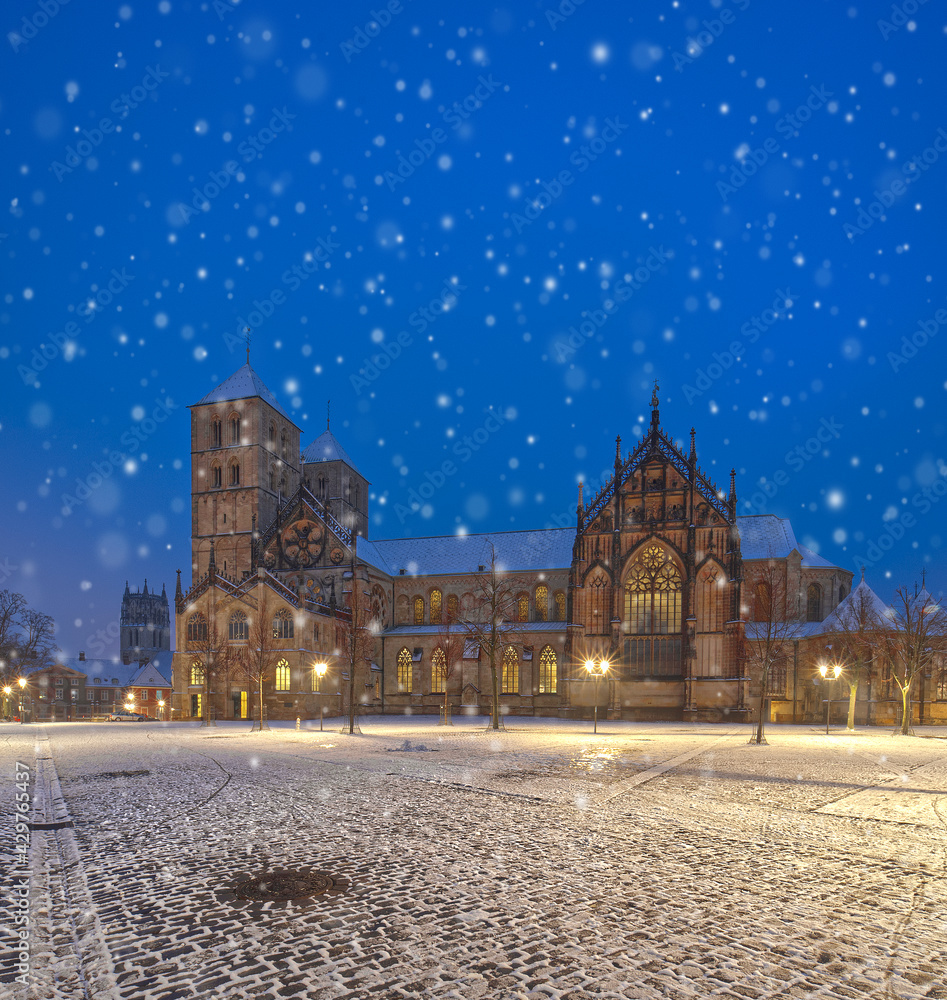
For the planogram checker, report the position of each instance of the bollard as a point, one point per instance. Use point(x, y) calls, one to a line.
point(297, 723)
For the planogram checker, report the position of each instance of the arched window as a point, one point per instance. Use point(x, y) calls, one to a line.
point(522, 608)
point(235, 429)
point(435, 607)
point(542, 603)
point(234, 473)
point(272, 480)
point(197, 673)
point(438, 672)
point(548, 682)
point(419, 611)
point(216, 433)
point(453, 608)
point(710, 595)
point(653, 594)
point(653, 615)
point(217, 478)
point(599, 605)
point(238, 630)
point(511, 672)
point(197, 628)
point(560, 606)
point(282, 624)
point(271, 440)
point(282, 676)
point(814, 603)
point(404, 671)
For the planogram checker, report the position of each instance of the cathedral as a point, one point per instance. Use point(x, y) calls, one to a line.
point(145, 625)
point(641, 608)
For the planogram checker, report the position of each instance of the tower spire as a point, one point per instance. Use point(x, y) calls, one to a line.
point(655, 403)
point(732, 499)
point(617, 453)
point(693, 455)
point(178, 593)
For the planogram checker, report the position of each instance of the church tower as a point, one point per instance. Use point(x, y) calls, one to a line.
point(145, 625)
point(332, 477)
point(244, 459)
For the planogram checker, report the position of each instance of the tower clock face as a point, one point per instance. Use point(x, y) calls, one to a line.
point(303, 542)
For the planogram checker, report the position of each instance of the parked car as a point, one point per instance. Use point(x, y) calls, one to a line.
point(125, 716)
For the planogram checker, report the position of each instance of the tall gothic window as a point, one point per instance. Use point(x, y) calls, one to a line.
point(522, 608)
point(814, 603)
point(438, 672)
point(419, 611)
point(197, 628)
point(282, 675)
point(235, 429)
point(547, 671)
point(511, 672)
point(560, 606)
point(435, 607)
point(234, 473)
point(404, 671)
point(453, 610)
point(653, 615)
point(197, 673)
point(542, 603)
point(653, 594)
point(710, 595)
point(217, 476)
point(598, 605)
point(238, 628)
point(282, 624)
point(216, 433)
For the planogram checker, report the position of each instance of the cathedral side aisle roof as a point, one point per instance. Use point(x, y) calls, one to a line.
point(766, 536)
point(244, 384)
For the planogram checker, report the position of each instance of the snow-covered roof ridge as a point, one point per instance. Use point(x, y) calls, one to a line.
point(326, 448)
point(244, 384)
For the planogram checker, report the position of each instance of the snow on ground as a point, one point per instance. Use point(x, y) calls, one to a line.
point(649, 860)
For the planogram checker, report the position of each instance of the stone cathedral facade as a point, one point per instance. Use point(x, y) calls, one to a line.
point(654, 578)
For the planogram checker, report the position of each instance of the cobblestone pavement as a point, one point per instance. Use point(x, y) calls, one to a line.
point(655, 860)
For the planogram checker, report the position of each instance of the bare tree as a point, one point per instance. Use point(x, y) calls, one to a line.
point(854, 628)
point(450, 641)
point(915, 629)
point(771, 631)
point(260, 653)
point(355, 639)
point(26, 636)
point(487, 621)
point(210, 645)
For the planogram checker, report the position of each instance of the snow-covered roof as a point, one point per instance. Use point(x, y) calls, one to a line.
point(846, 615)
point(326, 448)
point(517, 552)
point(244, 384)
point(114, 672)
point(766, 536)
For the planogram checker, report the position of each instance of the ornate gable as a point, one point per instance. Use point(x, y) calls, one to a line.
point(304, 535)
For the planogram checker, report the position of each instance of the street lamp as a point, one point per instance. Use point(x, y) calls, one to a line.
point(161, 708)
point(320, 669)
point(825, 669)
point(598, 671)
point(6, 700)
point(22, 682)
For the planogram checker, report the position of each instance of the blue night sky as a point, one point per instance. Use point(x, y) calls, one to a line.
point(737, 199)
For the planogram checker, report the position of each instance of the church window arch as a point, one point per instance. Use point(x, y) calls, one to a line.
point(511, 672)
point(814, 603)
point(217, 477)
point(710, 597)
point(197, 673)
point(542, 603)
point(234, 473)
point(522, 607)
point(404, 671)
point(419, 610)
point(282, 675)
point(197, 628)
point(598, 604)
point(653, 600)
point(235, 428)
point(453, 608)
point(238, 627)
point(560, 606)
point(282, 625)
point(216, 433)
point(435, 607)
point(548, 679)
point(438, 672)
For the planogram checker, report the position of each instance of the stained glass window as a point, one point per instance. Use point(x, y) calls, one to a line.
point(197, 672)
point(419, 611)
point(404, 671)
point(197, 628)
point(511, 672)
point(283, 625)
point(453, 610)
point(238, 627)
point(653, 594)
point(542, 603)
point(547, 671)
point(438, 672)
point(560, 606)
point(435, 607)
point(282, 676)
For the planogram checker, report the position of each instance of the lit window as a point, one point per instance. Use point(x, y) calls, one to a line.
point(404, 671)
point(522, 608)
point(419, 611)
point(283, 625)
point(542, 603)
point(511, 672)
point(197, 672)
point(435, 607)
point(238, 627)
point(653, 594)
point(453, 610)
point(438, 672)
point(560, 606)
point(282, 676)
point(547, 671)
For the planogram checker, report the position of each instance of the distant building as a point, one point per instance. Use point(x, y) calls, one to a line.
point(145, 625)
point(79, 688)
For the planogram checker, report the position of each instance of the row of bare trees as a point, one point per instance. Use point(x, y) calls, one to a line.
point(904, 638)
